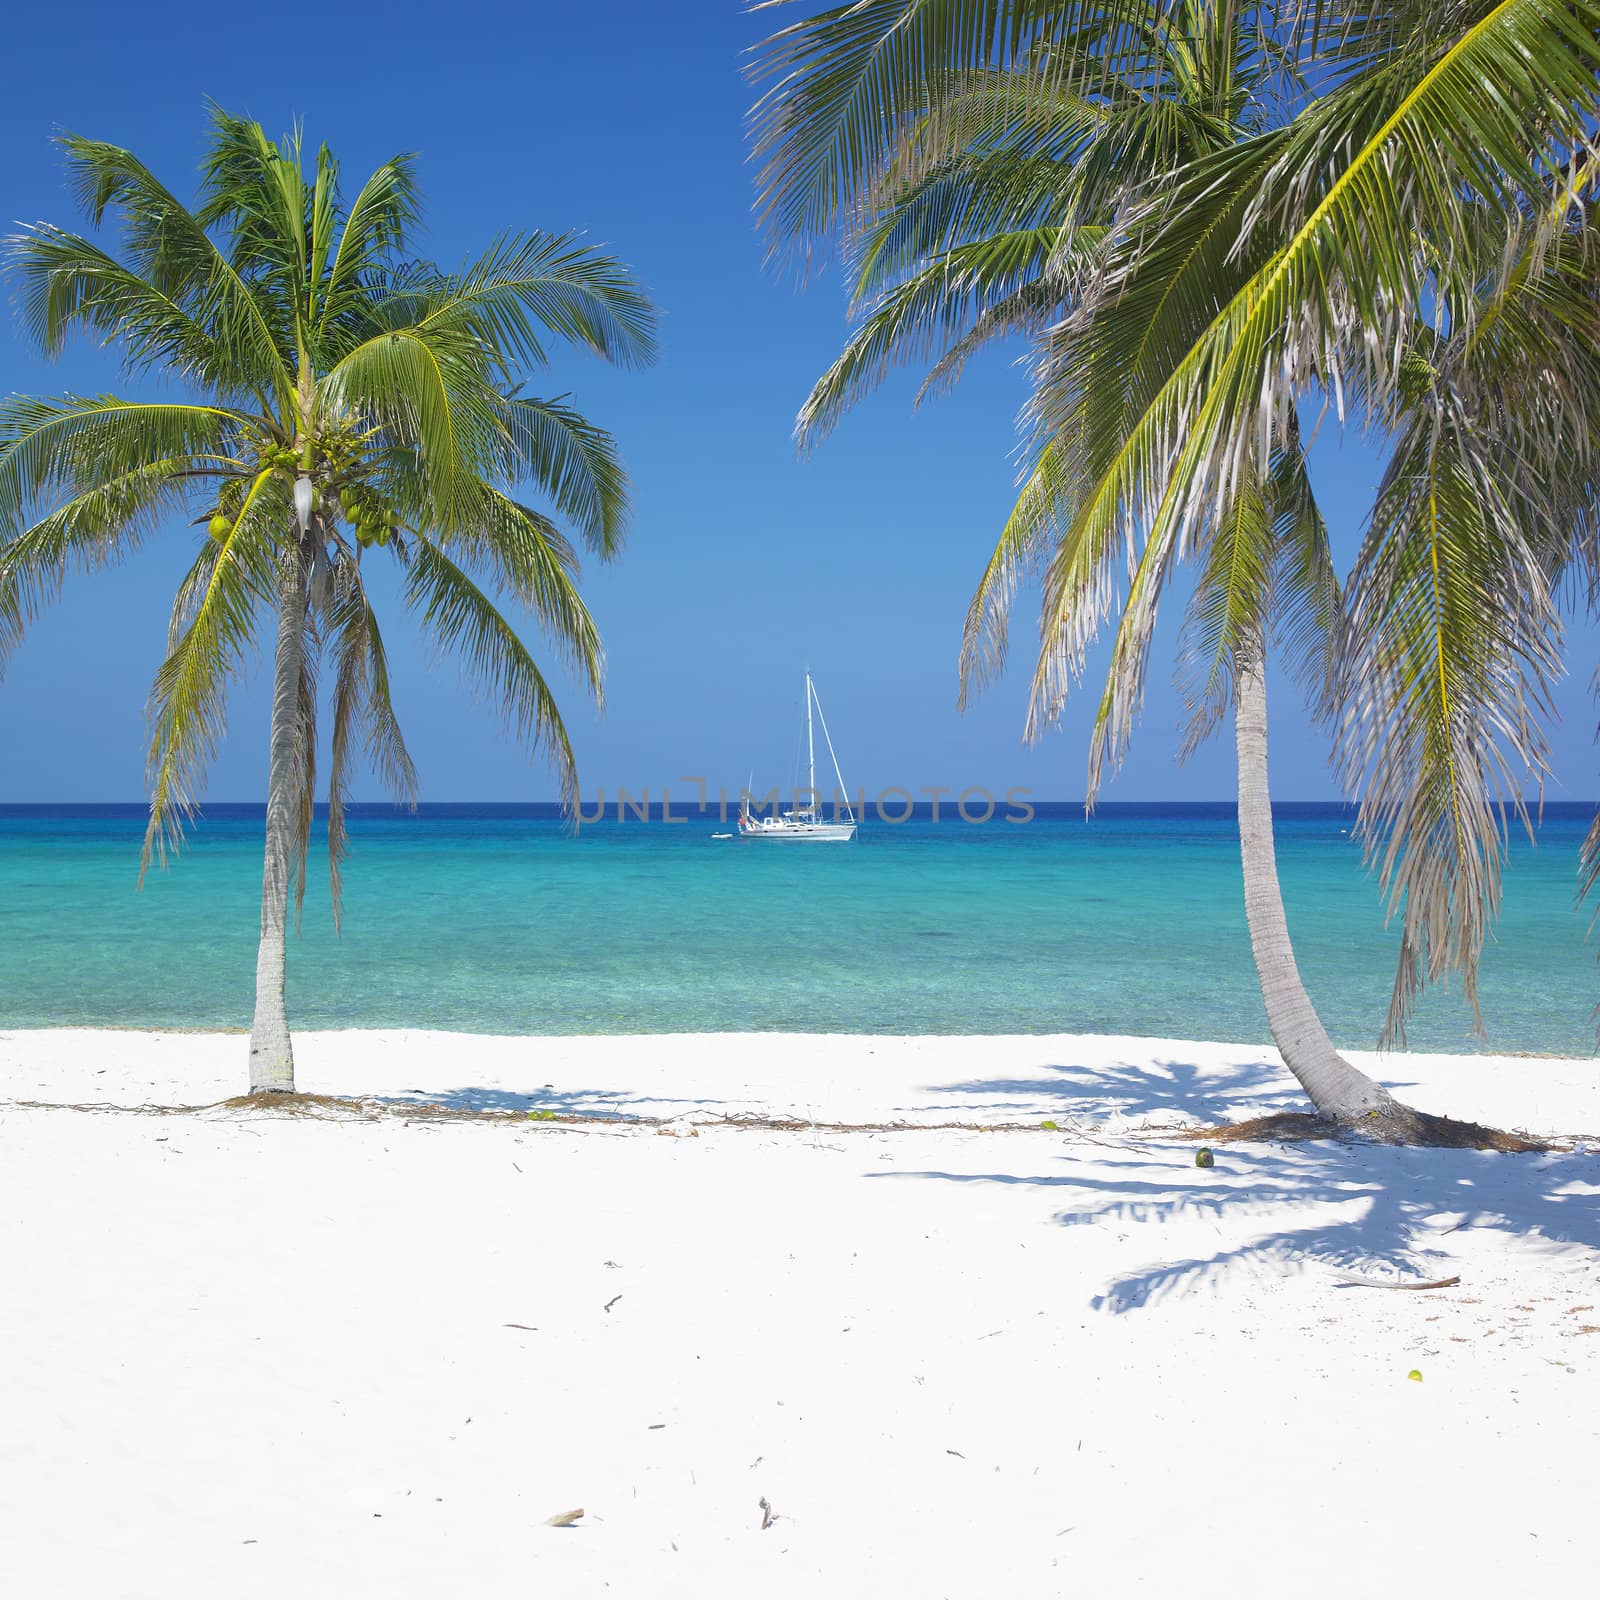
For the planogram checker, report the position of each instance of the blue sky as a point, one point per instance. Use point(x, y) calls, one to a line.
point(745, 564)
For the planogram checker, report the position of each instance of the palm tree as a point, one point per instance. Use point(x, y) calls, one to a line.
point(343, 402)
point(1414, 249)
point(1436, 184)
point(982, 190)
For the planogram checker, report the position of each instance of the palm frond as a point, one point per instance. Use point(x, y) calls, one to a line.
point(324, 220)
point(73, 444)
point(846, 81)
point(65, 282)
point(970, 201)
point(1589, 852)
point(525, 282)
point(1023, 109)
point(188, 708)
point(1308, 620)
point(426, 391)
point(1228, 611)
point(1489, 506)
point(168, 247)
point(1456, 647)
point(91, 531)
point(465, 621)
point(256, 193)
point(524, 554)
point(1024, 543)
point(1123, 696)
point(1028, 310)
point(305, 766)
point(893, 86)
point(363, 717)
point(929, 314)
point(574, 462)
point(377, 225)
point(1230, 396)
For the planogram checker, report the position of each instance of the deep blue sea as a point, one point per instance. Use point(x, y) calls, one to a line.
point(500, 919)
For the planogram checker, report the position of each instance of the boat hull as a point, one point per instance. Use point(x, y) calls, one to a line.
point(803, 833)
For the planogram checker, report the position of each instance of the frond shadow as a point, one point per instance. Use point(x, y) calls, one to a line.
point(1381, 1214)
point(1210, 1094)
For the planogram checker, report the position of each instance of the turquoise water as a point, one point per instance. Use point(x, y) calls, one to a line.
point(498, 920)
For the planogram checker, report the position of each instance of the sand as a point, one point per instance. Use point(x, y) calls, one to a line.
point(254, 1355)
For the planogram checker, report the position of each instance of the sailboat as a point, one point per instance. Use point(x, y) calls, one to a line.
point(805, 822)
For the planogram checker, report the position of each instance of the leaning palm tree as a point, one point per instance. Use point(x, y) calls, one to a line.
point(993, 204)
point(343, 402)
point(1297, 262)
point(1413, 250)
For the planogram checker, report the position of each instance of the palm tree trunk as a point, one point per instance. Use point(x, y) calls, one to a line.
point(1336, 1088)
point(271, 1052)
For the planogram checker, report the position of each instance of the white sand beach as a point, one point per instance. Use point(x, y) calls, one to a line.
point(252, 1354)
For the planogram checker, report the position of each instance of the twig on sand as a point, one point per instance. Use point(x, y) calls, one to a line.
point(526, 1327)
point(1128, 1142)
point(1375, 1283)
point(563, 1519)
point(612, 1301)
point(768, 1515)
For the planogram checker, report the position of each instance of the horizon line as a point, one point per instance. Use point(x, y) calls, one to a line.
point(688, 806)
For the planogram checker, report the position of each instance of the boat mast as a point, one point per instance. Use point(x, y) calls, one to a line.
point(811, 753)
point(849, 810)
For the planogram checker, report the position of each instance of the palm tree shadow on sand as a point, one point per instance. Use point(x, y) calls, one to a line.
point(1154, 1090)
point(1381, 1214)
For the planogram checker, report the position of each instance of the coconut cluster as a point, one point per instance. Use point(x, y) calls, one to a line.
point(329, 460)
point(373, 521)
